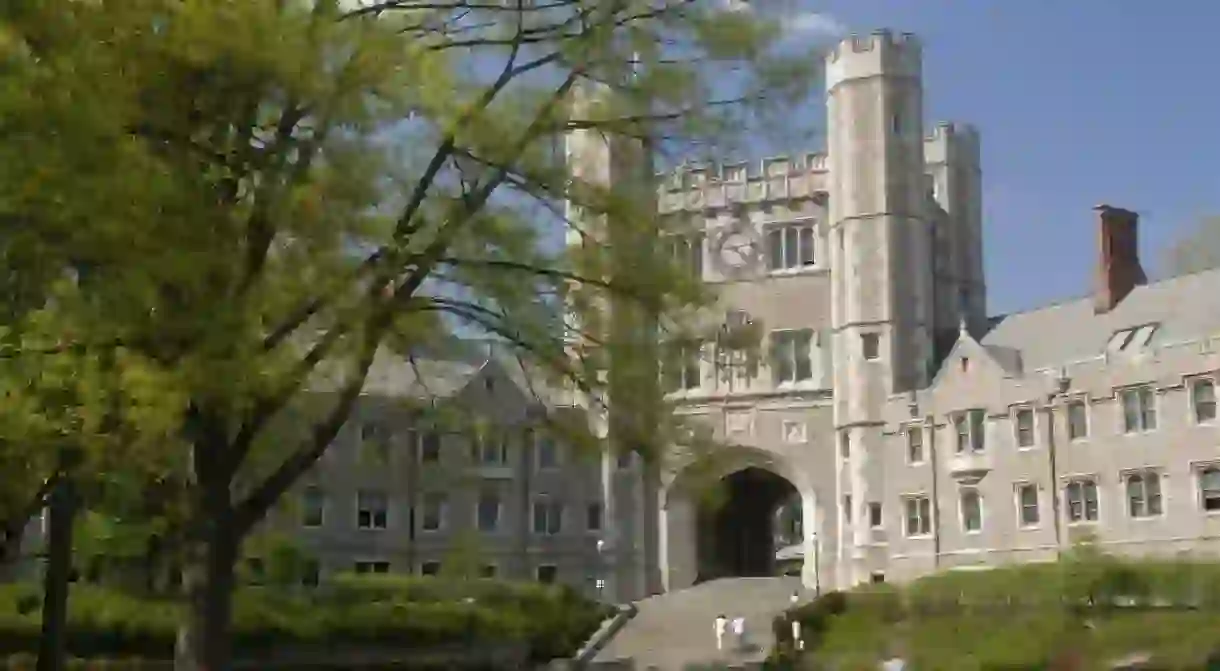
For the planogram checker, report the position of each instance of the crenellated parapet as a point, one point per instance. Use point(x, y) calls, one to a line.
point(883, 53)
point(951, 139)
point(721, 185)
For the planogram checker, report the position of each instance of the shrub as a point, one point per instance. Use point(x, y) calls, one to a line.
point(390, 611)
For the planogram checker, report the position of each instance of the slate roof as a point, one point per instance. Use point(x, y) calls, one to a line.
point(1186, 307)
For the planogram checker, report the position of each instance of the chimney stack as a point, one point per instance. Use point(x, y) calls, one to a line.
point(1118, 265)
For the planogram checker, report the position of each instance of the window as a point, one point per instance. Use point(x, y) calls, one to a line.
point(918, 515)
point(491, 448)
point(1144, 494)
point(372, 509)
point(686, 252)
point(593, 517)
point(791, 355)
point(1209, 489)
point(896, 123)
point(1078, 420)
point(845, 444)
point(430, 447)
point(1023, 422)
point(1203, 400)
point(366, 567)
point(1139, 409)
point(487, 571)
point(790, 246)
point(847, 509)
point(1028, 513)
point(870, 345)
point(971, 510)
point(546, 573)
point(915, 444)
point(625, 460)
point(548, 517)
point(374, 448)
point(311, 573)
point(970, 429)
point(681, 368)
point(546, 453)
point(1132, 339)
point(430, 568)
point(488, 513)
point(874, 515)
point(313, 507)
point(434, 505)
point(1081, 495)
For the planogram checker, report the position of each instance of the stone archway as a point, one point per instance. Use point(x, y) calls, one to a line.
point(756, 506)
point(736, 531)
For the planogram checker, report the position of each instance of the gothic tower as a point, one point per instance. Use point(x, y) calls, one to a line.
point(880, 254)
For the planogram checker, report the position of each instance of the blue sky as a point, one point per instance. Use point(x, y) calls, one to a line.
point(1079, 102)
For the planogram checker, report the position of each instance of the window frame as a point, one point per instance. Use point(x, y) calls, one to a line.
point(1143, 476)
point(1081, 481)
point(442, 512)
point(1195, 383)
point(590, 506)
point(484, 494)
point(372, 564)
point(1151, 410)
point(554, 571)
point(870, 346)
point(1019, 411)
point(306, 508)
point(789, 340)
point(916, 430)
point(927, 526)
point(977, 495)
point(1199, 471)
point(424, 565)
point(1083, 404)
point(876, 515)
point(1019, 489)
point(975, 441)
point(541, 439)
point(804, 229)
point(431, 446)
point(361, 509)
point(683, 366)
point(551, 505)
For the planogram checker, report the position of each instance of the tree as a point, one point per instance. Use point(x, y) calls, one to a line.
point(1197, 251)
point(304, 182)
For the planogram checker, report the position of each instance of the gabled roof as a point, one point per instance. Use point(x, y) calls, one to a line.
point(1005, 359)
point(1184, 308)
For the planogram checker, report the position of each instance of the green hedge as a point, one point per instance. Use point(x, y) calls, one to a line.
point(387, 611)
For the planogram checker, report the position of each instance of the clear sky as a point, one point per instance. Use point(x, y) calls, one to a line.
point(1079, 102)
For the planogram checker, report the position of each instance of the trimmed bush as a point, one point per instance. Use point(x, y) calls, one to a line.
point(383, 611)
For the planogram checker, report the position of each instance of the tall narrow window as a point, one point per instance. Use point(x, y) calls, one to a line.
point(1209, 489)
point(435, 507)
point(1024, 421)
point(972, 510)
point(870, 345)
point(915, 444)
point(548, 517)
point(970, 429)
point(1078, 420)
point(313, 507)
point(1203, 400)
point(488, 511)
point(681, 367)
point(1028, 513)
point(918, 515)
point(430, 447)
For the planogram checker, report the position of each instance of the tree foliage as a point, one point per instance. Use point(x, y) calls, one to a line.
point(250, 198)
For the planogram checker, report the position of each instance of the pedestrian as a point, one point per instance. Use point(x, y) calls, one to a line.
point(719, 627)
point(739, 631)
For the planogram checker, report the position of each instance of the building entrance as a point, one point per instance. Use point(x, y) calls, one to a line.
point(739, 533)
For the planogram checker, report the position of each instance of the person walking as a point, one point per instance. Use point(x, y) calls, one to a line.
point(720, 625)
point(739, 631)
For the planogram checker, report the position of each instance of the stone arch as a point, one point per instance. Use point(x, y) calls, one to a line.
point(732, 531)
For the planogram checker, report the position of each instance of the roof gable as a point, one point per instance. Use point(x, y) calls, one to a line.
point(970, 360)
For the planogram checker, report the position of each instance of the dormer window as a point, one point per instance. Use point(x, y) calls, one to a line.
point(1131, 339)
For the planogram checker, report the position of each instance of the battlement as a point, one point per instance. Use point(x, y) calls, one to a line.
point(954, 141)
point(881, 53)
point(879, 40)
point(721, 184)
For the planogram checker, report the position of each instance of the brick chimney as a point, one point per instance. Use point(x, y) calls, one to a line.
point(1118, 264)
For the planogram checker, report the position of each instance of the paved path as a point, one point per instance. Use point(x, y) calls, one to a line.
point(674, 630)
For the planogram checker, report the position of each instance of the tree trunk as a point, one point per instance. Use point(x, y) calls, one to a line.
point(209, 579)
point(51, 648)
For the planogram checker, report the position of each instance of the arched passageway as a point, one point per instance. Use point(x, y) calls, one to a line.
point(757, 513)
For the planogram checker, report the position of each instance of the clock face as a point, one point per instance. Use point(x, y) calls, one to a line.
point(738, 249)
